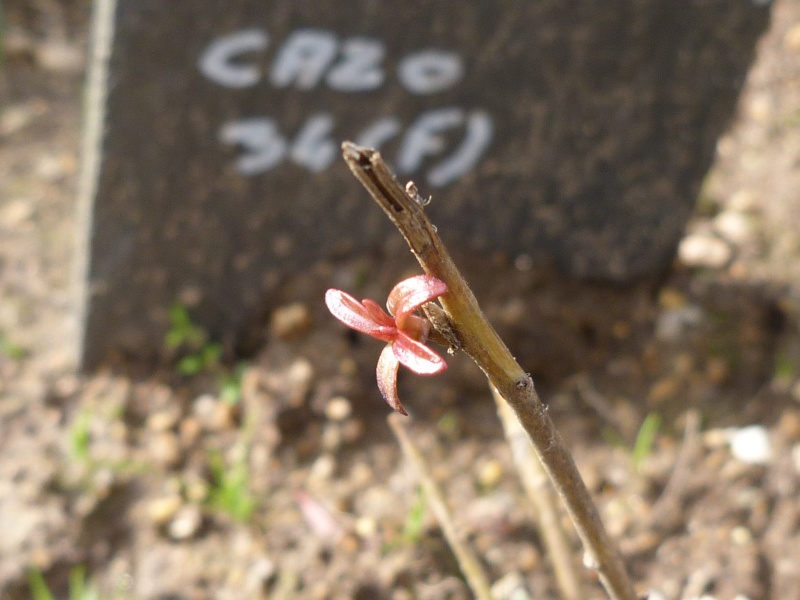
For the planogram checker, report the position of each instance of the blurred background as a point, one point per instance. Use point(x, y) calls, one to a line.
point(271, 473)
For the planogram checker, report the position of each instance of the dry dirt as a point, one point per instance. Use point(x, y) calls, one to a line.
point(161, 490)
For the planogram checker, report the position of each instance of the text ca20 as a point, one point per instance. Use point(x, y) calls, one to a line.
point(310, 58)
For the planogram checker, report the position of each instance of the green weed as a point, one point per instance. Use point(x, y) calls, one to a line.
point(645, 438)
point(414, 525)
point(79, 589)
point(230, 493)
point(10, 349)
point(198, 354)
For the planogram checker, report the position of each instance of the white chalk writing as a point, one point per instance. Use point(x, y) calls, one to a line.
point(448, 141)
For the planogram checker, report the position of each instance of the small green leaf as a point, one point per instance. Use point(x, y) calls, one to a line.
point(414, 525)
point(645, 438)
point(79, 436)
point(10, 349)
point(38, 586)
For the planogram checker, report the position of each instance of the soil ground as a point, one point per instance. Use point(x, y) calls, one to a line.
point(162, 490)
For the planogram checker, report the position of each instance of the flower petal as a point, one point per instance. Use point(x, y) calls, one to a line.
point(417, 357)
point(408, 295)
point(357, 316)
point(387, 379)
point(377, 313)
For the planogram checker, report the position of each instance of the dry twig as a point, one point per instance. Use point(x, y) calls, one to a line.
point(475, 336)
point(471, 567)
point(537, 486)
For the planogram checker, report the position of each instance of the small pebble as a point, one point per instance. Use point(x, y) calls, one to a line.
point(290, 321)
point(258, 575)
point(196, 489)
point(490, 473)
point(734, 226)
point(164, 419)
point(789, 424)
point(338, 408)
point(704, 250)
point(791, 41)
point(60, 57)
point(717, 370)
point(323, 467)
point(352, 430)
point(673, 323)
point(163, 509)
point(213, 414)
point(186, 523)
point(331, 437)
point(744, 201)
point(663, 390)
point(164, 449)
point(366, 527)
point(510, 586)
point(671, 298)
point(741, 536)
point(796, 457)
point(750, 445)
point(796, 391)
point(189, 431)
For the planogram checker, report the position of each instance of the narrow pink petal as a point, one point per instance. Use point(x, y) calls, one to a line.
point(417, 357)
point(318, 518)
point(377, 313)
point(355, 315)
point(414, 327)
point(408, 295)
point(387, 379)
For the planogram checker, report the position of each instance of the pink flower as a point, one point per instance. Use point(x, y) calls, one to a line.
point(405, 331)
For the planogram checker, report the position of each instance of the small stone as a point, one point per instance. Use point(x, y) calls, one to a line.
point(203, 408)
point(338, 408)
point(214, 415)
point(510, 587)
point(750, 445)
point(16, 213)
point(323, 467)
point(791, 40)
point(796, 457)
point(734, 226)
point(186, 523)
point(704, 250)
point(164, 420)
point(348, 543)
point(744, 201)
point(196, 489)
point(59, 56)
point(796, 391)
point(673, 323)
point(760, 108)
point(163, 509)
point(189, 431)
point(490, 473)
point(366, 527)
point(290, 321)
point(331, 437)
point(717, 370)
point(663, 390)
point(789, 424)
point(258, 575)
point(671, 298)
point(621, 330)
point(164, 449)
point(715, 438)
point(352, 430)
point(741, 536)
